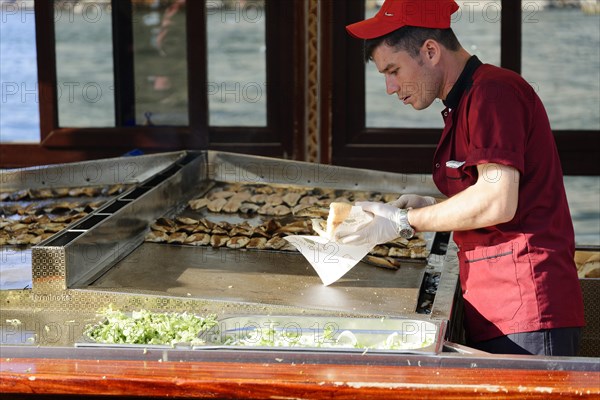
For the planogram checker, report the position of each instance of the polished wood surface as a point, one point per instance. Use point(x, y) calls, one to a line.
point(280, 380)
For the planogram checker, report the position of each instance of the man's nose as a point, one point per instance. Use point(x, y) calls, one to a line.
point(391, 86)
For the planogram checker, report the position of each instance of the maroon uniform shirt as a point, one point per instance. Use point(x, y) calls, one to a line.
point(518, 276)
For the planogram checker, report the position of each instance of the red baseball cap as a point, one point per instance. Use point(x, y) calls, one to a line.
point(395, 14)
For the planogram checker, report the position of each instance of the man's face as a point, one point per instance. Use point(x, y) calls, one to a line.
point(412, 79)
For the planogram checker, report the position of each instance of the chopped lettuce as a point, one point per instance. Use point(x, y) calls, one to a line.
point(145, 327)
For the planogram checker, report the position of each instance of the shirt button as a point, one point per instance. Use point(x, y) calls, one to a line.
point(437, 165)
point(445, 113)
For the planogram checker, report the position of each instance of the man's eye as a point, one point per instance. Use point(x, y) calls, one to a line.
point(394, 72)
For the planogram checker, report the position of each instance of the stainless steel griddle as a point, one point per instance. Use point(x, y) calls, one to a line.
point(265, 277)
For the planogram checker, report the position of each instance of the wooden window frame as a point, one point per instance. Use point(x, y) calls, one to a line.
point(411, 150)
point(281, 137)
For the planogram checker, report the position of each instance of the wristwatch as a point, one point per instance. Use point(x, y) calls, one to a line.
point(404, 229)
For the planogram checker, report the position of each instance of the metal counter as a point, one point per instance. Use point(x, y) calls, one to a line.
point(102, 260)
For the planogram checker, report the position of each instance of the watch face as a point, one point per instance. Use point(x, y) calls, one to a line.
point(407, 233)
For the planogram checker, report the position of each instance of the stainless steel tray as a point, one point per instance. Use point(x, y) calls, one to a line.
point(86, 342)
point(315, 334)
point(357, 335)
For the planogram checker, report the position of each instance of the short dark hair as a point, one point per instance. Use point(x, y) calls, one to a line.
point(411, 38)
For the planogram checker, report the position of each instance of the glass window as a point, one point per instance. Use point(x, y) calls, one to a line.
point(583, 194)
point(477, 26)
point(19, 105)
point(160, 62)
point(237, 79)
point(84, 64)
point(561, 60)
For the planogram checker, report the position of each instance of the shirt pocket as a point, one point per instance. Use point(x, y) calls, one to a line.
point(455, 170)
point(455, 174)
point(490, 282)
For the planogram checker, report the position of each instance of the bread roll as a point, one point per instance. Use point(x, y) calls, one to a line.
point(338, 212)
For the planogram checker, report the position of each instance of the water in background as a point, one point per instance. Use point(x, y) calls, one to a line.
point(19, 118)
point(561, 59)
point(583, 194)
point(84, 67)
point(571, 91)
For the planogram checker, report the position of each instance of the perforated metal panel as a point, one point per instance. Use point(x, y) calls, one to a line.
point(49, 268)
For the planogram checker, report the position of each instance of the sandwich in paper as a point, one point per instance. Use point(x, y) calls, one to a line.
point(333, 260)
point(343, 219)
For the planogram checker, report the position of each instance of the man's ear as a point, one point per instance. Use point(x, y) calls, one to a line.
point(431, 51)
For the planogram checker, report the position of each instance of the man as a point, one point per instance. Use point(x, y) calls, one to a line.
point(497, 163)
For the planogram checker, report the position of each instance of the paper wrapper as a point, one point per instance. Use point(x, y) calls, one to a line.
point(333, 260)
point(356, 219)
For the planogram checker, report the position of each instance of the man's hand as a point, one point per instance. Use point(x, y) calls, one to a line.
point(383, 228)
point(412, 201)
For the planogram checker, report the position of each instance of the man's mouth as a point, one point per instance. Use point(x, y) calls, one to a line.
point(405, 99)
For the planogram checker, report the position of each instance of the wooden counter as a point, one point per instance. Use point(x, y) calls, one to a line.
point(281, 379)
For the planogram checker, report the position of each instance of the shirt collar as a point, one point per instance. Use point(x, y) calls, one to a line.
point(463, 83)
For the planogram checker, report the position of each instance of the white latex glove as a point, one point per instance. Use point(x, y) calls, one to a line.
point(383, 228)
point(412, 201)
